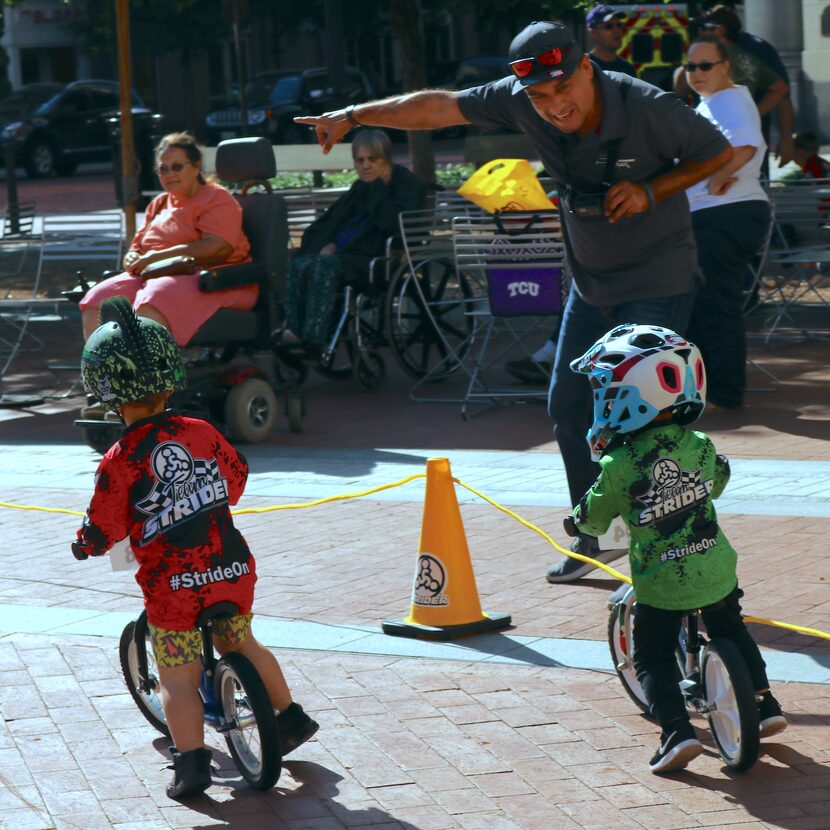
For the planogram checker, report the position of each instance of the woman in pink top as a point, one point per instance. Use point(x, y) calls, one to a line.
point(194, 218)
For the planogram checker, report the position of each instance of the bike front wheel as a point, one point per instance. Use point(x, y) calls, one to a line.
point(251, 725)
point(732, 707)
point(149, 701)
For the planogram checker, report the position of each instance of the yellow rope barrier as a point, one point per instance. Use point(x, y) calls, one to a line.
point(798, 629)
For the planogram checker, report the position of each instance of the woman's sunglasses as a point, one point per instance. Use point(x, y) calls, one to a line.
point(705, 66)
point(552, 57)
point(175, 167)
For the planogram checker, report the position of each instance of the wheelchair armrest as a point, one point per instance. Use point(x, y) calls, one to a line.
point(234, 276)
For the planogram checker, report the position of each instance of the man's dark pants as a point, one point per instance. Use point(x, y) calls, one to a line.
point(655, 638)
point(727, 238)
point(569, 399)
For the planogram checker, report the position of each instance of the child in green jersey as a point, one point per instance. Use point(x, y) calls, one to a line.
point(648, 384)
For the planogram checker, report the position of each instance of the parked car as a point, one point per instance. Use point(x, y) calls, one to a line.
point(69, 128)
point(465, 74)
point(26, 100)
point(275, 98)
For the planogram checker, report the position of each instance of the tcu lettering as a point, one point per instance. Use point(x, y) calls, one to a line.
point(523, 287)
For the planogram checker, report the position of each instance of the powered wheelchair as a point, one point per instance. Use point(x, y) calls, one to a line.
point(234, 373)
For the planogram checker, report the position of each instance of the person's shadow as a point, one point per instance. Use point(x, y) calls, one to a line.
point(243, 807)
point(772, 790)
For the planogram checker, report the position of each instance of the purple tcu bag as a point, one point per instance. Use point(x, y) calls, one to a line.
point(518, 287)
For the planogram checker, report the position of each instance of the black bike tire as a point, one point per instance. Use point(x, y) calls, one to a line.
point(239, 667)
point(127, 647)
point(641, 702)
point(747, 706)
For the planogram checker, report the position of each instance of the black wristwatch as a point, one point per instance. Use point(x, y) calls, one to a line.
point(350, 115)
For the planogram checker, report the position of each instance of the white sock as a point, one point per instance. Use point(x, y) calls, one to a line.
point(546, 353)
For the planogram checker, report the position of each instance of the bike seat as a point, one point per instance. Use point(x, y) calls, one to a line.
point(220, 610)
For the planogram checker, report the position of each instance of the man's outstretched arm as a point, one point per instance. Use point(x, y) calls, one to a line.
point(427, 109)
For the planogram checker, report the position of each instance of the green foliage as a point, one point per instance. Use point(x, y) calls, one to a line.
point(447, 174)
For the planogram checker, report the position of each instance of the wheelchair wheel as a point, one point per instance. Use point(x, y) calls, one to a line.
point(252, 733)
point(251, 411)
point(149, 703)
point(428, 329)
point(369, 370)
point(732, 707)
point(295, 410)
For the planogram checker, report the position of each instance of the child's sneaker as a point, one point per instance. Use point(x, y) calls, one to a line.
point(772, 721)
point(676, 749)
point(296, 727)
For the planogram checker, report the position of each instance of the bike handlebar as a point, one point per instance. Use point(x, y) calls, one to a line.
point(570, 525)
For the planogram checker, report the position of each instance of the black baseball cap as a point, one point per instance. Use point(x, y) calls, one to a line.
point(537, 44)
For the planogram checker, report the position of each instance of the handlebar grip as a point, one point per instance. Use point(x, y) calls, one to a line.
point(570, 526)
point(78, 552)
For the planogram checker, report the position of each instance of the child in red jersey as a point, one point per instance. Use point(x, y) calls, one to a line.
point(168, 484)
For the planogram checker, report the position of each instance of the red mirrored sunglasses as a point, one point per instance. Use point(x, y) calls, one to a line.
point(548, 59)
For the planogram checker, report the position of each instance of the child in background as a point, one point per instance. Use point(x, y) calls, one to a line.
point(648, 384)
point(805, 154)
point(168, 484)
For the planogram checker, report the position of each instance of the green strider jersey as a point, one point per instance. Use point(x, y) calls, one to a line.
point(662, 481)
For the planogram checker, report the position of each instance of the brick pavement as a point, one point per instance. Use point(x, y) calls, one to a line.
point(406, 742)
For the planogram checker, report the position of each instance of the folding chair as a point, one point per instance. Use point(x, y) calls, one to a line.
point(78, 241)
point(514, 265)
point(798, 260)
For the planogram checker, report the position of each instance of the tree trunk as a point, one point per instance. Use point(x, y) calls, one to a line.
point(407, 24)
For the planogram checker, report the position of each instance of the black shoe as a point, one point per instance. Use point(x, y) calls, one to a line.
point(568, 569)
point(530, 371)
point(772, 720)
point(676, 749)
point(191, 772)
point(296, 727)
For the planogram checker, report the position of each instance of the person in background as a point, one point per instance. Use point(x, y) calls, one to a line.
point(730, 219)
point(805, 154)
point(194, 217)
point(340, 244)
point(622, 153)
point(605, 31)
point(720, 18)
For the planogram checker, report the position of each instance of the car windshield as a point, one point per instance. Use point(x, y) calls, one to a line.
point(47, 107)
point(26, 100)
point(285, 90)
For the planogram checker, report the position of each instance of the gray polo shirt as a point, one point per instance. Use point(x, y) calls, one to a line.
point(647, 256)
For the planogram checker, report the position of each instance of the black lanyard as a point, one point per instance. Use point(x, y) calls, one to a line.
point(613, 150)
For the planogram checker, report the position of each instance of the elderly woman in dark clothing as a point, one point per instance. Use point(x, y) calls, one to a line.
point(340, 244)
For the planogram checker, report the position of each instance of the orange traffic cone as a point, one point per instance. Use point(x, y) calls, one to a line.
point(445, 601)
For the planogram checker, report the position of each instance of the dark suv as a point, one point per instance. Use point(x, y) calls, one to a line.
point(274, 98)
point(71, 127)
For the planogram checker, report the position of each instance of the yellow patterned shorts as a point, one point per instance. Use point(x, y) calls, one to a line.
point(177, 648)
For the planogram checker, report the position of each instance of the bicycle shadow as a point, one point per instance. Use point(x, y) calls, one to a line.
point(306, 792)
point(771, 790)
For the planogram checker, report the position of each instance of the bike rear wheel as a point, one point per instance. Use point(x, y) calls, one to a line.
point(149, 703)
point(733, 709)
point(252, 732)
point(621, 644)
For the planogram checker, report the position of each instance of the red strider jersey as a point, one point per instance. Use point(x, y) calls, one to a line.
point(168, 484)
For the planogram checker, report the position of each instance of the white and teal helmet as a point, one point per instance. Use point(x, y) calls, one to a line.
point(128, 358)
point(637, 372)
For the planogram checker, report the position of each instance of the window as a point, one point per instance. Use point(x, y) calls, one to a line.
point(104, 99)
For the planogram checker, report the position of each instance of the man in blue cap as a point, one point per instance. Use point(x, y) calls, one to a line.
point(605, 30)
point(622, 154)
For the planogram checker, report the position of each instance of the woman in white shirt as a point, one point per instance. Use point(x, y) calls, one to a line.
point(730, 218)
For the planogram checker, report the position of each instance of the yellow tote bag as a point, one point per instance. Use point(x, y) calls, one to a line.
point(506, 185)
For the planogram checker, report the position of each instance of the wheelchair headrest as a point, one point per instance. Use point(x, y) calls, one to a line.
point(242, 159)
